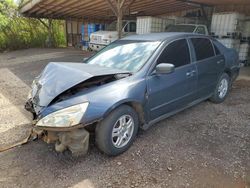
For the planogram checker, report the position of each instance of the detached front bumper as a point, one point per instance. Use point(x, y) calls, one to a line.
point(77, 141)
point(76, 138)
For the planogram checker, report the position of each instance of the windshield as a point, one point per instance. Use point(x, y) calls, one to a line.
point(181, 28)
point(125, 55)
point(112, 26)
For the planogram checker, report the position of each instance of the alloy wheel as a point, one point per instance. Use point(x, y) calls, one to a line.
point(122, 131)
point(223, 88)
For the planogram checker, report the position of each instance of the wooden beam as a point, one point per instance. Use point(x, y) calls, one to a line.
point(112, 7)
point(195, 3)
point(82, 7)
point(67, 4)
point(86, 8)
point(29, 5)
point(53, 6)
point(121, 4)
point(129, 5)
point(104, 9)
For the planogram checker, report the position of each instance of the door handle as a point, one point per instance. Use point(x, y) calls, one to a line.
point(190, 73)
point(220, 61)
point(193, 72)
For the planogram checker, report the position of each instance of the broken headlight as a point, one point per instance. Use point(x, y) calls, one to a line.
point(66, 117)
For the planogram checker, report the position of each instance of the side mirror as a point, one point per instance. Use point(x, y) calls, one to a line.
point(164, 68)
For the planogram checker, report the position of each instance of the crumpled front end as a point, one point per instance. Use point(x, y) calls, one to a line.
point(58, 103)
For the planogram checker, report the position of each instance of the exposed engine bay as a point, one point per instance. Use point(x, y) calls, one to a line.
point(92, 82)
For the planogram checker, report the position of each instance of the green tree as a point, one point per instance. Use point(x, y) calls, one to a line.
point(19, 32)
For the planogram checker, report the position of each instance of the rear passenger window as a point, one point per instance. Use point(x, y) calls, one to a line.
point(203, 48)
point(176, 53)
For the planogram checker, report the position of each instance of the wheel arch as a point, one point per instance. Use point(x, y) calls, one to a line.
point(229, 72)
point(136, 105)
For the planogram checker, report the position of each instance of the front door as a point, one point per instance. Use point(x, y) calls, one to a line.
point(173, 91)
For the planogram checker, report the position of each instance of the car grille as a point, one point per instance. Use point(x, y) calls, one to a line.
point(96, 39)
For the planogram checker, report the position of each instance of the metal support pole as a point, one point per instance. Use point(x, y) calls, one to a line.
point(50, 37)
point(66, 33)
point(204, 14)
point(72, 36)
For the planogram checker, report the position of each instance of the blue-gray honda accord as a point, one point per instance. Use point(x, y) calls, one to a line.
point(132, 83)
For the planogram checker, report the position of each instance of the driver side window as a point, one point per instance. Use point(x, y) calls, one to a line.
point(176, 53)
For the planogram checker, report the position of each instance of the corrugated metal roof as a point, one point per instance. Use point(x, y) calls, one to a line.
point(100, 9)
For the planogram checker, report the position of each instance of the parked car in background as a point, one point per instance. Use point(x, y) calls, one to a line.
point(100, 39)
point(132, 83)
point(188, 28)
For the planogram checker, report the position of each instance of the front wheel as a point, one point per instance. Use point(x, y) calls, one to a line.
point(117, 131)
point(222, 89)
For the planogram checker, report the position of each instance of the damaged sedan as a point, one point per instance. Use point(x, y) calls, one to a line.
point(132, 83)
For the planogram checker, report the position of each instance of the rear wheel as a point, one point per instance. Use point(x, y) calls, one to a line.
point(222, 89)
point(117, 131)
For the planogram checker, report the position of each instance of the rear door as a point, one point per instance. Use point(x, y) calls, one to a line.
point(210, 65)
point(170, 92)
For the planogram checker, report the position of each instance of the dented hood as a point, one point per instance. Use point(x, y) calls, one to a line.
point(59, 77)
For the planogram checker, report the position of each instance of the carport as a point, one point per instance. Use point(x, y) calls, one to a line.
point(106, 10)
point(204, 146)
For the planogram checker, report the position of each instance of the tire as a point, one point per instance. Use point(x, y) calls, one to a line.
point(221, 92)
point(109, 129)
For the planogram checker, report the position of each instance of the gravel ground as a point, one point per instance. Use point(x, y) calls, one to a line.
point(204, 146)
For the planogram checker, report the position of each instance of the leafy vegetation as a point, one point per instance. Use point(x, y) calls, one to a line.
point(18, 32)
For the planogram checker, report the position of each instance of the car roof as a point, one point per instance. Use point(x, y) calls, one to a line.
point(161, 36)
